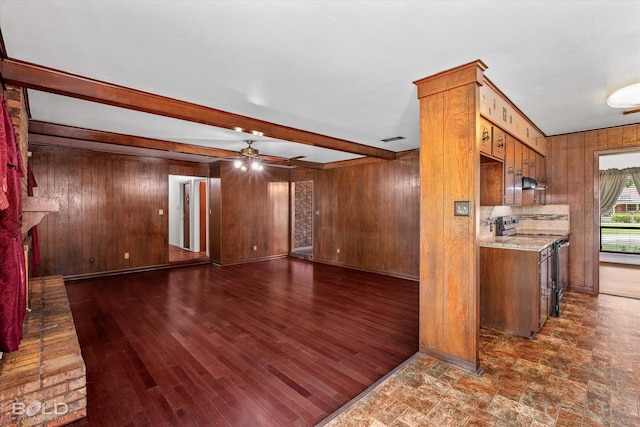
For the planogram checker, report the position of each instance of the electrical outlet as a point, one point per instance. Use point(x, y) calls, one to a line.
point(255, 247)
point(338, 250)
point(126, 255)
point(160, 211)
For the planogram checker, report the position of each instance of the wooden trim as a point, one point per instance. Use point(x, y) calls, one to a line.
point(60, 82)
point(450, 79)
point(117, 272)
point(3, 48)
point(351, 162)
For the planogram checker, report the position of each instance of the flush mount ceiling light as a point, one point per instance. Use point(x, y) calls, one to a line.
point(626, 97)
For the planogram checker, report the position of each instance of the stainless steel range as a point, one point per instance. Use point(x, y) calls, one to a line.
point(508, 226)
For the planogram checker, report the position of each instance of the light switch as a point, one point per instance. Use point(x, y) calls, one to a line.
point(462, 208)
point(160, 211)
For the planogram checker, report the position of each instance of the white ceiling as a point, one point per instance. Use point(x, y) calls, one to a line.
point(338, 68)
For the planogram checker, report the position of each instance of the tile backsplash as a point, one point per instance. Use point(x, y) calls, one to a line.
point(538, 218)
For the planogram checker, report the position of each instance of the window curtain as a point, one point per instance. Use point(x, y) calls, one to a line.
point(611, 184)
point(635, 174)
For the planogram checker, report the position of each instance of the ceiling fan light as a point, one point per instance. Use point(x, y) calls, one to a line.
point(626, 97)
point(243, 168)
point(255, 165)
point(237, 163)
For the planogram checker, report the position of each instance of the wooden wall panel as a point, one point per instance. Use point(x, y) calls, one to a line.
point(108, 206)
point(578, 186)
point(255, 212)
point(575, 190)
point(371, 213)
point(449, 251)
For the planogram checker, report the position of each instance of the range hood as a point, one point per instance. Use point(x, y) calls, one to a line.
point(529, 183)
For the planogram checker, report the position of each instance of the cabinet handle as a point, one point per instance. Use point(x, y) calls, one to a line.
point(510, 170)
point(526, 161)
point(485, 135)
point(500, 143)
point(519, 172)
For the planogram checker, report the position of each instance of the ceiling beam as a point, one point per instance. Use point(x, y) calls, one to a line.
point(62, 83)
point(70, 132)
point(81, 134)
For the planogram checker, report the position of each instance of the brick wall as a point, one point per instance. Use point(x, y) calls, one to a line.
point(44, 382)
point(16, 104)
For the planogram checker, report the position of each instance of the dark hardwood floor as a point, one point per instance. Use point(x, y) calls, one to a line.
point(274, 343)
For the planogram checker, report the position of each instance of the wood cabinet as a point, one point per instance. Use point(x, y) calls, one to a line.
point(515, 289)
point(513, 171)
point(491, 182)
point(540, 176)
point(492, 140)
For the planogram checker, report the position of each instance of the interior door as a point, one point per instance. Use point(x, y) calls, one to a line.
point(186, 215)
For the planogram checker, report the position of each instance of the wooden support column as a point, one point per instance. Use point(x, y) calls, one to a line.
point(449, 251)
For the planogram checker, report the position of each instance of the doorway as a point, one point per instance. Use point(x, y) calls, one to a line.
point(188, 219)
point(302, 219)
point(619, 225)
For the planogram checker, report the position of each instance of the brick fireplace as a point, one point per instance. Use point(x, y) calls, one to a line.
point(44, 382)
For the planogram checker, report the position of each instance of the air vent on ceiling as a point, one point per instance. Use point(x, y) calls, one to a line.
point(395, 138)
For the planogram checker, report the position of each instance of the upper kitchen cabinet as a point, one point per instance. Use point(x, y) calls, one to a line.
point(508, 136)
point(513, 172)
point(492, 140)
point(502, 113)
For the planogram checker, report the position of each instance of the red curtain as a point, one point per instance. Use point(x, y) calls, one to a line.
point(12, 268)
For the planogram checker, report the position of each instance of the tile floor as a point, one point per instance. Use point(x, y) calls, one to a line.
point(582, 369)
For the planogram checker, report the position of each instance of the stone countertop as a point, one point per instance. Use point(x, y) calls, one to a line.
point(525, 243)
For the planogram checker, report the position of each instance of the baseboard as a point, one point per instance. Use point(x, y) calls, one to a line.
point(473, 368)
point(369, 270)
point(71, 277)
point(250, 260)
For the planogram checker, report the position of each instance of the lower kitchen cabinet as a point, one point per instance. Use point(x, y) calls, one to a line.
point(515, 289)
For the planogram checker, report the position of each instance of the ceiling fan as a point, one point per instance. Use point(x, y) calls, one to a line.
point(252, 160)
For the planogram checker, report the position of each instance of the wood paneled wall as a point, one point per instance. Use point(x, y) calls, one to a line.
point(254, 214)
point(371, 213)
point(109, 205)
point(449, 252)
point(572, 166)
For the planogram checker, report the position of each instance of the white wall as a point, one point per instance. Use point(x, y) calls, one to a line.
point(175, 210)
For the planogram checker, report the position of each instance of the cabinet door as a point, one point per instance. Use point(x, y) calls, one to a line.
point(499, 143)
point(533, 164)
point(550, 279)
point(485, 137)
point(509, 171)
point(541, 165)
point(540, 196)
point(544, 289)
point(526, 166)
point(517, 186)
